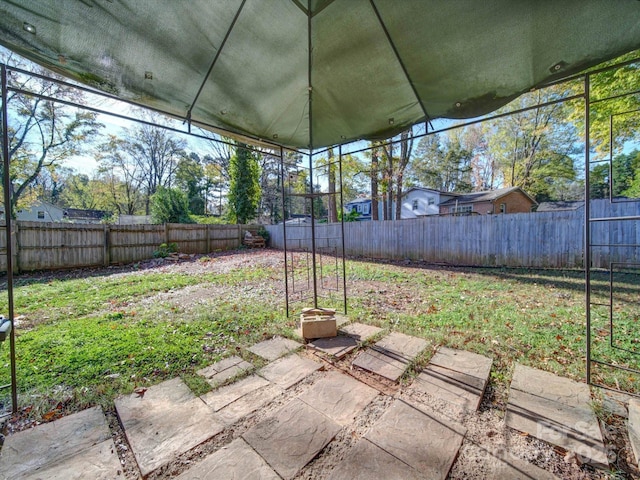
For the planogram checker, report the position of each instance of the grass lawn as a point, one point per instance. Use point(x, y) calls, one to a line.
point(82, 341)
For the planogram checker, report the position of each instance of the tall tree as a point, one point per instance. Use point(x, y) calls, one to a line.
point(156, 151)
point(244, 187)
point(443, 163)
point(42, 133)
point(190, 179)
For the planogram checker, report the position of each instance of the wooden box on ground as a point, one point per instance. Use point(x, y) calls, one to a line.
point(318, 323)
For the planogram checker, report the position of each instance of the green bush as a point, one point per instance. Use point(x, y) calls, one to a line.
point(165, 249)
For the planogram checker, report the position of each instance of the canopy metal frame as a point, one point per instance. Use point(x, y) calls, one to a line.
point(279, 149)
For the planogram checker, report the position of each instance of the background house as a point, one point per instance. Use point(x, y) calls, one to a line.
point(42, 211)
point(503, 200)
point(420, 201)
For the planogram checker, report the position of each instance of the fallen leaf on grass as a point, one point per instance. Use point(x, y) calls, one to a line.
point(140, 392)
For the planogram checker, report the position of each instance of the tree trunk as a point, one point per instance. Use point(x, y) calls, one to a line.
point(374, 184)
point(333, 209)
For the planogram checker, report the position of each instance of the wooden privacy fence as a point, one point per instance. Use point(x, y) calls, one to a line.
point(545, 240)
point(45, 246)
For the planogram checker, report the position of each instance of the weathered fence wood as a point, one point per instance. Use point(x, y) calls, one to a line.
point(546, 240)
point(45, 246)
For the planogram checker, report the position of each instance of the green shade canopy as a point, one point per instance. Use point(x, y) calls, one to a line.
point(309, 74)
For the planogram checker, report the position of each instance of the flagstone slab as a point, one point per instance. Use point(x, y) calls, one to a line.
point(223, 396)
point(367, 461)
point(42, 447)
point(289, 370)
point(274, 348)
point(380, 364)
point(469, 363)
point(248, 404)
point(360, 331)
point(500, 464)
point(422, 440)
point(337, 347)
point(401, 346)
point(634, 427)
point(456, 376)
point(236, 461)
point(549, 412)
point(99, 462)
point(221, 371)
point(547, 385)
point(292, 437)
point(166, 421)
point(339, 397)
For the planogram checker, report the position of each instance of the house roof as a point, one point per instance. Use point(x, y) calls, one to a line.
point(485, 196)
point(559, 206)
point(78, 213)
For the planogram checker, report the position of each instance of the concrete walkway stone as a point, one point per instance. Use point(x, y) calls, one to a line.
point(167, 421)
point(391, 355)
point(495, 463)
point(422, 440)
point(634, 427)
point(236, 461)
point(222, 397)
point(337, 347)
point(274, 348)
point(292, 437)
point(456, 376)
point(73, 447)
point(221, 371)
point(360, 331)
point(236, 401)
point(367, 461)
point(556, 410)
point(339, 397)
point(289, 370)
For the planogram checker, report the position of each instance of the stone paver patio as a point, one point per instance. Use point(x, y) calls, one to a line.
point(274, 348)
point(406, 440)
point(74, 447)
point(557, 410)
point(456, 376)
point(166, 421)
point(391, 356)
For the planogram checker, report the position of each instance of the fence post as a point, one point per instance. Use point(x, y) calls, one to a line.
point(107, 245)
point(166, 233)
point(208, 231)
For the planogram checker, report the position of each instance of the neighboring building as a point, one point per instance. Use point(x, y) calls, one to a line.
point(419, 201)
point(43, 211)
point(82, 215)
point(363, 207)
point(559, 206)
point(503, 200)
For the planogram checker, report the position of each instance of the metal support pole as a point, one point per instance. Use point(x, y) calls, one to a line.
point(284, 230)
point(7, 218)
point(587, 226)
point(344, 267)
point(314, 267)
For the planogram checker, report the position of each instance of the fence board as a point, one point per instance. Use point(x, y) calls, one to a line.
point(45, 246)
point(545, 239)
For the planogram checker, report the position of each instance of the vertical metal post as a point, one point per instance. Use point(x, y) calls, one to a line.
point(610, 158)
point(313, 219)
point(344, 267)
point(314, 267)
point(284, 229)
point(587, 226)
point(7, 218)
